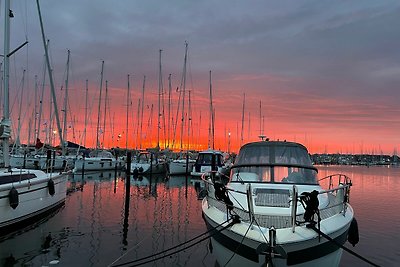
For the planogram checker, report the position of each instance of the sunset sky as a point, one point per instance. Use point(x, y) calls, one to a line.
point(327, 73)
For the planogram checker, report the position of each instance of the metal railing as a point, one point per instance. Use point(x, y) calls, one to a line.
point(338, 193)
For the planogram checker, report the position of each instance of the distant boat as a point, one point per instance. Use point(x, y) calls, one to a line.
point(41, 162)
point(148, 162)
point(26, 196)
point(204, 163)
point(181, 165)
point(46, 160)
point(98, 160)
point(274, 212)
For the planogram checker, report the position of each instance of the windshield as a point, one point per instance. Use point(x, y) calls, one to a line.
point(258, 154)
point(274, 174)
point(206, 159)
point(277, 162)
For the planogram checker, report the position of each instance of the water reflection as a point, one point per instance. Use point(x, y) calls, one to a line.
point(373, 197)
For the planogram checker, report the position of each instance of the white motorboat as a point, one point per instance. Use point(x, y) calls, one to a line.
point(273, 210)
point(26, 196)
point(98, 160)
point(204, 163)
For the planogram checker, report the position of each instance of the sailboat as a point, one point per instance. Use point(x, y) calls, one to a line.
point(25, 195)
point(210, 160)
point(39, 158)
point(183, 164)
point(98, 159)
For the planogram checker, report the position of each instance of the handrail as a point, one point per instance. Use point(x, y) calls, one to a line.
point(342, 195)
point(346, 179)
point(250, 203)
point(294, 207)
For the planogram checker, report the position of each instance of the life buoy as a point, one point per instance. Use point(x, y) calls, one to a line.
point(13, 198)
point(50, 185)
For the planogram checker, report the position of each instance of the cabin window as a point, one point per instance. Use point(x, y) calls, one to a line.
point(206, 159)
point(275, 174)
point(298, 175)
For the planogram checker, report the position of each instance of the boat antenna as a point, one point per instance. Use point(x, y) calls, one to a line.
point(262, 136)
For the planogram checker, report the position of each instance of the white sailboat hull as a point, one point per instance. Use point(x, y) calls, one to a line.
point(41, 163)
point(35, 198)
point(179, 166)
point(97, 164)
point(145, 168)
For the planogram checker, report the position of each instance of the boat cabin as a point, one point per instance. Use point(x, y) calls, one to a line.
point(274, 162)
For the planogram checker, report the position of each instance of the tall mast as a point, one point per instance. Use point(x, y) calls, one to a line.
point(159, 102)
point(41, 104)
point(18, 141)
point(53, 93)
point(163, 116)
point(35, 110)
point(242, 131)
point(198, 135)
point(211, 123)
point(150, 123)
point(29, 131)
point(127, 114)
point(105, 115)
point(169, 108)
point(137, 128)
point(189, 121)
point(141, 113)
point(86, 111)
point(98, 110)
point(183, 92)
point(66, 100)
point(261, 136)
point(260, 120)
point(6, 123)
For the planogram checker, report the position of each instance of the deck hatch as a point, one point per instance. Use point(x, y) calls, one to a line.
point(272, 197)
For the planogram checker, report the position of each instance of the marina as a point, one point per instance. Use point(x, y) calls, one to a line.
point(92, 229)
point(267, 144)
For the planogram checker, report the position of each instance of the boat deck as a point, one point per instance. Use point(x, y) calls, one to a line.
point(334, 207)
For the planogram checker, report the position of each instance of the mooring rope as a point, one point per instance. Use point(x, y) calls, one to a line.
point(237, 248)
point(312, 226)
point(128, 251)
point(233, 221)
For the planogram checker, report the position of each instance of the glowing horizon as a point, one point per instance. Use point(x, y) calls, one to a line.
point(227, 120)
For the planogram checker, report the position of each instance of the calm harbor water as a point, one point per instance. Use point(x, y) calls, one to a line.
point(93, 229)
